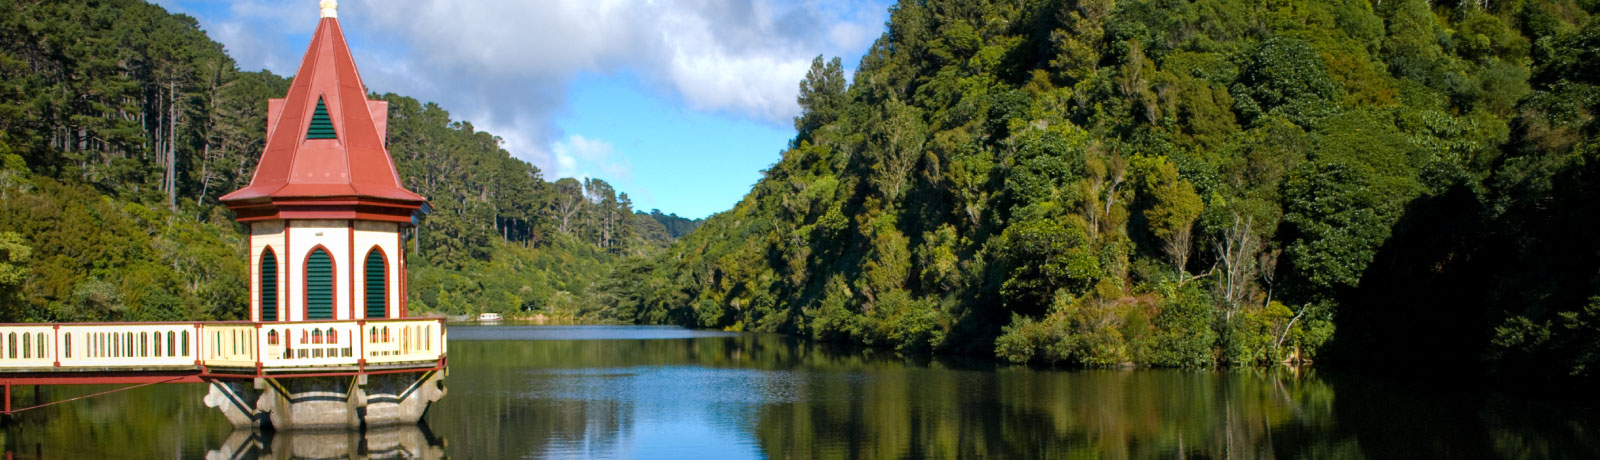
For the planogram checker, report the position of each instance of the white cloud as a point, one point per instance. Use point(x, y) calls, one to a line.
point(509, 63)
point(506, 65)
point(578, 156)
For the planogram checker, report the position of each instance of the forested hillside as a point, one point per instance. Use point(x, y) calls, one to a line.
point(120, 125)
point(1180, 183)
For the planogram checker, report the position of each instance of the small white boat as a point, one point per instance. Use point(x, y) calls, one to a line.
point(488, 317)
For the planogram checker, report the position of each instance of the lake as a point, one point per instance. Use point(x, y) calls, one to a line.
point(671, 393)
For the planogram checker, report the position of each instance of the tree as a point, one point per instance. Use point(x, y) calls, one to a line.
point(822, 97)
point(14, 257)
point(1236, 252)
point(1173, 208)
point(566, 201)
point(904, 133)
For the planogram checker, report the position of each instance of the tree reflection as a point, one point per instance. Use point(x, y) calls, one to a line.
point(750, 396)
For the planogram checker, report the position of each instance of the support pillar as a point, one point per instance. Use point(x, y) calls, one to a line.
point(351, 402)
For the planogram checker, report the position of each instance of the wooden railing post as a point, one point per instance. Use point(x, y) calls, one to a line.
point(198, 347)
point(361, 335)
point(259, 339)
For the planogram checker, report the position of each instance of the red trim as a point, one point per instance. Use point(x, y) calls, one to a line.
point(438, 365)
point(121, 323)
point(400, 266)
point(337, 207)
point(351, 225)
point(98, 378)
point(385, 255)
point(199, 323)
point(361, 345)
point(257, 347)
point(324, 214)
point(255, 302)
point(199, 345)
point(438, 319)
point(333, 270)
point(184, 376)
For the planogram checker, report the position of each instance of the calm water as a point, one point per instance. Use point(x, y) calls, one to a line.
point(658, 392)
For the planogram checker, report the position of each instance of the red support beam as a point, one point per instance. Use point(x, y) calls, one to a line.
point(96, 378)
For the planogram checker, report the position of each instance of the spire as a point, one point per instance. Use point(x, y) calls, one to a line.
point(325, 143)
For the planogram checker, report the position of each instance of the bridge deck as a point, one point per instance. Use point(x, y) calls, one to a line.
point(154, 352)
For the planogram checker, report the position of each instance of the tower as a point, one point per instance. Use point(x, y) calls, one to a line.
point(326, 208)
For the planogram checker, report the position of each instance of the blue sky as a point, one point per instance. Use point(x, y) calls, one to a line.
point(680, 104)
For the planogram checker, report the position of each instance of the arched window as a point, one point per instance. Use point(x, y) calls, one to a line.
point(319, 285)
point(376, 284)
point(269, 285)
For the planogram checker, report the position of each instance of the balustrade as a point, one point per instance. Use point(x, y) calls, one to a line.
point(278, 345)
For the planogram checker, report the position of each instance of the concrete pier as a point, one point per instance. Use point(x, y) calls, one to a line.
point(320, 403)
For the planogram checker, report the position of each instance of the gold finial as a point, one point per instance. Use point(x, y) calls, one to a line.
point(330, 8)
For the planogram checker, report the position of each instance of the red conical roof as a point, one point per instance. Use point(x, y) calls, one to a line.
point(303, 176)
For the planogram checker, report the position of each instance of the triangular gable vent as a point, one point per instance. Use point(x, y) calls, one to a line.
point(321, 125)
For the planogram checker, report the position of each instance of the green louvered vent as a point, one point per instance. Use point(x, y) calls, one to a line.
point(319, 285)
point(376, 284)
point(269, 286)
point(321, 125)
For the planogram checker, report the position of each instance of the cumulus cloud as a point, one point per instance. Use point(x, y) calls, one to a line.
point(506, 65)
point(575, 154)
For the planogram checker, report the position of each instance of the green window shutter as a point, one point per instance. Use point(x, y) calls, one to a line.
point(319, 285)
point(269, 285)
point(376, 284)
point(321, 125)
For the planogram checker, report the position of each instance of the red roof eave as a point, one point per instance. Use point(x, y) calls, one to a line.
point(325, 208)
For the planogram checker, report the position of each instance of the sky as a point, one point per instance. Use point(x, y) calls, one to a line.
point(680, 104)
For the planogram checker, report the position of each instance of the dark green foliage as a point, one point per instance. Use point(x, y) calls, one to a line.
point(676, 227)
point(120, 125)
point(1179, 184)
point(1183, 334)
point(1285, 77)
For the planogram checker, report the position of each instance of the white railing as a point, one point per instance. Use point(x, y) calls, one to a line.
point(393, 342)
point(128, 344)
point(229, 345)
point(238, 345)
point(28, 346)
point(326, 343)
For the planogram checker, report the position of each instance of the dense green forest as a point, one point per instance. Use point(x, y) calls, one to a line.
point(1169, 183)
point(1180, 183)
point(120, 125)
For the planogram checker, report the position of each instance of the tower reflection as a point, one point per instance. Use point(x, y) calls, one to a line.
point(403, 441)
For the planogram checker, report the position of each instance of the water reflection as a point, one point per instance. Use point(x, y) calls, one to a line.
point(564, 392)
point(750, 396)
point(398, 442)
